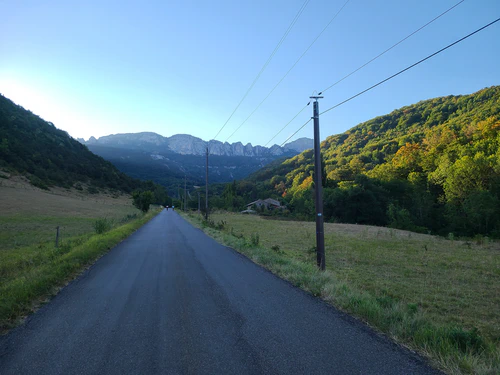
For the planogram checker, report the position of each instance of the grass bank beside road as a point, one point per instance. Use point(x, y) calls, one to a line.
point(436, 296)
point(31, 274)
point(32, 268)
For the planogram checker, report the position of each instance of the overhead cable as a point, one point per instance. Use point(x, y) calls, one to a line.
point(288, 123)
point(388, 49)
point(298, 130)
point(394, 75)
point(266, 63)
point(289, 70)
point(411, 66)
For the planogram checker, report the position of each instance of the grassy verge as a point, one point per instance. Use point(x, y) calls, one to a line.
point(438, 297)
point(31, 274)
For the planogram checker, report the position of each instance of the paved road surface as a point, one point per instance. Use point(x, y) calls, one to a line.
point(170, 300)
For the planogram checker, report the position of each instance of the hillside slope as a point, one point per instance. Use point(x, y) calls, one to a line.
point(431, 166)
point(49, 157)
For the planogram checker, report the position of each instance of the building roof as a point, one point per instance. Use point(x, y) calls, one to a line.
point(268, 201)
point(274, 202)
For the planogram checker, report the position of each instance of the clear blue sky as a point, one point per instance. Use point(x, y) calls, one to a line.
point(95, 68)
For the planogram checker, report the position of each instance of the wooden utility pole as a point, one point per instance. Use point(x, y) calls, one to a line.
point(318, 188)
point(185, 194)
point(206, 187)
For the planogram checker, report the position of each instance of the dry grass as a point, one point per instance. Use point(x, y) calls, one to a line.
point(31, 268)
point(438, 297)
point(452, 281)
point(29, 215)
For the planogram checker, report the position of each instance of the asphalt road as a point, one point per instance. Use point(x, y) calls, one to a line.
point(170, 300)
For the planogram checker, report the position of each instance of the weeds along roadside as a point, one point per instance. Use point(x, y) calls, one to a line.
point(450, 348)
point(32, 274)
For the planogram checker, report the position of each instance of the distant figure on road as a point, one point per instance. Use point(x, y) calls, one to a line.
point(166, 207)
point(173, 208)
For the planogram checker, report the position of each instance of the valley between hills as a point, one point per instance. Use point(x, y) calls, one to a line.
point(411, 204)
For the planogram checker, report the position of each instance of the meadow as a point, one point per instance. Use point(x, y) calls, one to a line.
point(29, 215)
point(32, 268)
point(438, 296)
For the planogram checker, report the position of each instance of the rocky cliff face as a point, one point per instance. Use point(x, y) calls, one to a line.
point(185, 144)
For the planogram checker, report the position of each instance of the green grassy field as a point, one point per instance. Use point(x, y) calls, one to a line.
point(30, 216)
point(32, 268)
point(438, 296)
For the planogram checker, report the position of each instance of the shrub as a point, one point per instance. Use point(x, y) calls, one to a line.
point(142, 200)
point(35, 181)
point(102, 225)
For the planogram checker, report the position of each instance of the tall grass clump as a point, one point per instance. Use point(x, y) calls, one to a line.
point(102, 225)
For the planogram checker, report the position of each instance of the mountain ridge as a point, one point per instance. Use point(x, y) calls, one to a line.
point(186, 144)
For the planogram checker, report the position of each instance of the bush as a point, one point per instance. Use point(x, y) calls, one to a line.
point(102, 225)
point(142, 200)
point(35, 181)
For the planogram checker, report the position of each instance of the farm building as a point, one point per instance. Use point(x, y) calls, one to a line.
point(268, 203)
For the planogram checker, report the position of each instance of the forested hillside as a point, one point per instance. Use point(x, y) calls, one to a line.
point(50, 157)
point(433, 167)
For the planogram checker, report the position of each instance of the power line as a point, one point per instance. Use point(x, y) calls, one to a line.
point(307, 122)
point(388, 49)
point(288, 123)
point(266, 63)
point(289, 70)
point(411, 66)
point(394, 75)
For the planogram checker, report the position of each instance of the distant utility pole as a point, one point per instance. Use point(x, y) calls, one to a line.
point(320, 235)
point(206, 188)
point(185, 194)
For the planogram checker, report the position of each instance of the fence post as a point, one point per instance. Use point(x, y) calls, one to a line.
point(57, 236)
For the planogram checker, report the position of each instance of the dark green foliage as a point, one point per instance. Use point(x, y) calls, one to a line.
point(467, 341)
point(430, 167)
point(142, 199)
point(276, 248)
